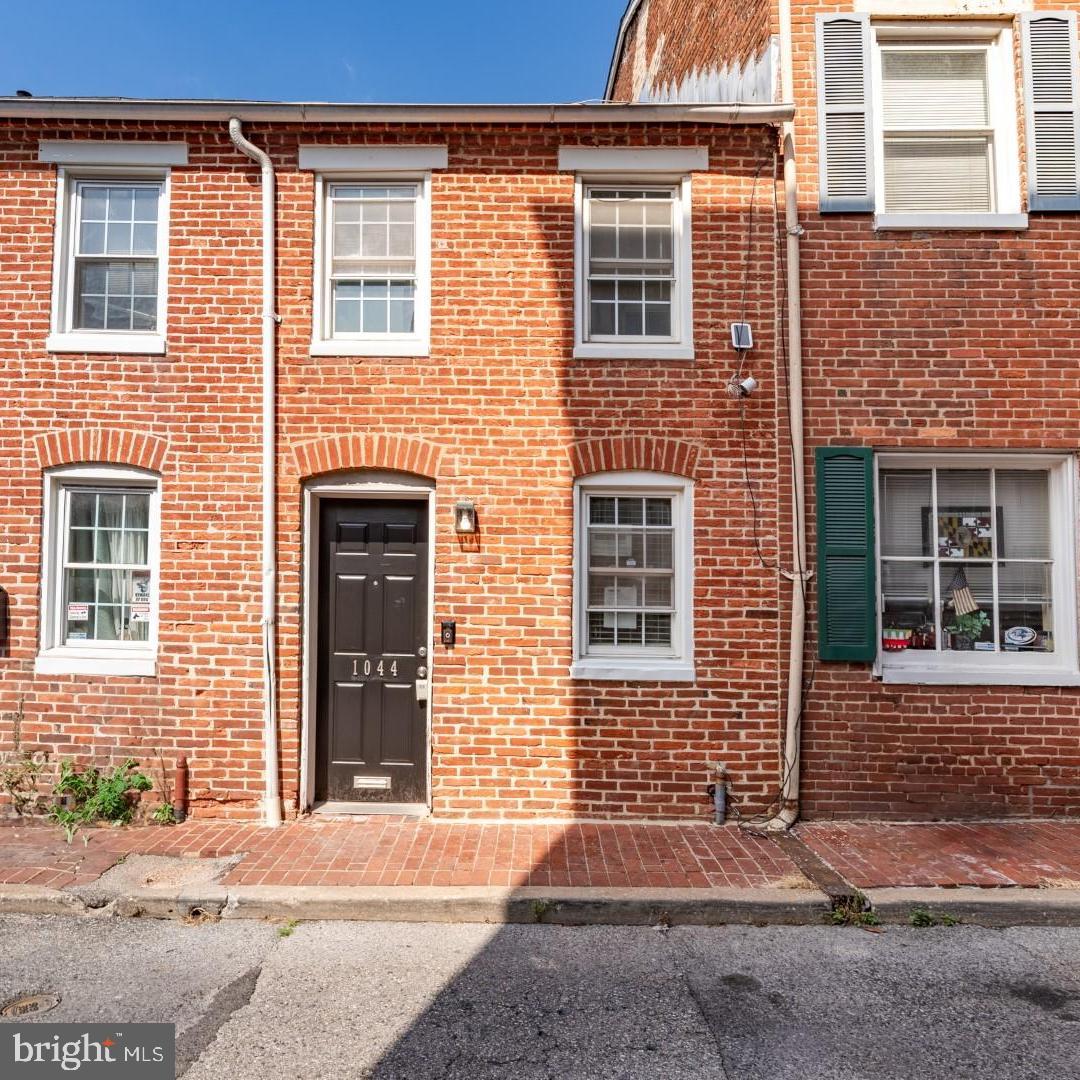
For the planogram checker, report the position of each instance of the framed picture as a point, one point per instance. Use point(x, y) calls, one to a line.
point(962, 532)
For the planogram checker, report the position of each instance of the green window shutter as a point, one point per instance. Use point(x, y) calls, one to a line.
point(847, 617)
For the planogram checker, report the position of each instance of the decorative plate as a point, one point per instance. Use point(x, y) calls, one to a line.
point(1020, 635)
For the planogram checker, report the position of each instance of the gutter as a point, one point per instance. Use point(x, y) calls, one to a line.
point(301, 112)
point(272, 793)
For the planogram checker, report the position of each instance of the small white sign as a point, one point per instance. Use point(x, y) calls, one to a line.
point(78, 612)
point(140, 612)
point(140, 588)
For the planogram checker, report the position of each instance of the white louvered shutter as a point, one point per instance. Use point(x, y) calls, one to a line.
point(845, 141)
point(1052, 117)
point(936, 120)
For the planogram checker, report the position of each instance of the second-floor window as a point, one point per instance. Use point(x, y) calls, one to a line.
point(375, 287)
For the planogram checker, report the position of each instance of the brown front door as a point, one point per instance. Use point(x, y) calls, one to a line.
point(371, 727)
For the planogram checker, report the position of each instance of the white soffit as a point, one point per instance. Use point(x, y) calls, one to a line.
point(646, 159)
point(372, 158)
point(85, 152)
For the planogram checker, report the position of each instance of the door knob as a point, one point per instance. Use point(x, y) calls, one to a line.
point(421, 672)
point(422, 651)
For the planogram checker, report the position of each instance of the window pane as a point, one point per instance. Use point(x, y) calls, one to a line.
point(934, 88)
point(81, 546)
point(121, 203)
point(80, 585)
point(600, 587)
point(657, 320)
point(109, 623)
point(629, 320)
point(631, 511)
point(601, 548)
point(1027, 622)
point(600, 633)
point(658, 630)
point(602, 510)
point(658, 550)
point(136, 547)
point(1023, 496)
point(110, 511)
point(401, 241)
point(118, 238)
point(92, 238)
point(110, 586)
point(602, 242)
point(658, 592)
point(601, 319)
point(146, 204)
point(374, 316)
point(937, 175)
point(906, 502)
point(657, 511)
point(628, 628)
point(109, 546)
point(907, 605)
point(975, 630)
point(81, 507)
point(94, 200)
point(631, 549)
point(964, 523)
point(144, 239)
point(374, 242)
point(401, 316)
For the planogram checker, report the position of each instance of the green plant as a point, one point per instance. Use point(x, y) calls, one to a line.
point(971, 625)
point(92, 795)
point(540, 908)
point(920, 917)
point(20, 769)
point(287, 928)
point(854, 910)
point(164, 814)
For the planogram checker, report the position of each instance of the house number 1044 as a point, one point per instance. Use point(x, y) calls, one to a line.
point(380, 669)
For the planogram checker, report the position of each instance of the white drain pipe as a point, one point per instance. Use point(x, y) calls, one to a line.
point(790, 765)
point(272, 791)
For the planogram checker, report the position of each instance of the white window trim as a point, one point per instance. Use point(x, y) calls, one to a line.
point(682, 347)
point(64, 339)
point(1004, 109)
point(676, 664)
point(418, 343)
point(122, 658)
point(1060, 668)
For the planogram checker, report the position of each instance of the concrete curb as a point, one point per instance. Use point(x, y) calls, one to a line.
point(37, 900)
point(561, 906)
point(980, 907)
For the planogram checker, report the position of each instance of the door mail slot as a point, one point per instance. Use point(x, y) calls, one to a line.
point(372, 783)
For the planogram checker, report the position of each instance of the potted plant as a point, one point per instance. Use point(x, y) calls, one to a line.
point(967, 629)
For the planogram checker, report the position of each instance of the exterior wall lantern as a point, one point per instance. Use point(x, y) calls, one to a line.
point(464, 517)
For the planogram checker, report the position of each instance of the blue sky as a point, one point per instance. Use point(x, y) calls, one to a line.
point(329, 50)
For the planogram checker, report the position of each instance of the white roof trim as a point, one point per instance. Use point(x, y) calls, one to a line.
point(85, 152)
point(657, 159)
point(395, 158)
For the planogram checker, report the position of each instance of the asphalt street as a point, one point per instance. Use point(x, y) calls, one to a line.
point(392, 1000)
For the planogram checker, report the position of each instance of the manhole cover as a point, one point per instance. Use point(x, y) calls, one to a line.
point(30, 1004)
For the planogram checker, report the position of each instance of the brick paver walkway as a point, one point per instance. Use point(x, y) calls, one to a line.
point(397, 851)
point(987, 854)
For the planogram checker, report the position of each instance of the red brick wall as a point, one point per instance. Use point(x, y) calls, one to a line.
point(496, 414)
point(999, 368)
point(668, 39)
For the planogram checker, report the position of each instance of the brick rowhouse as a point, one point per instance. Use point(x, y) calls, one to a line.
point(498, 413)
point(916, 340)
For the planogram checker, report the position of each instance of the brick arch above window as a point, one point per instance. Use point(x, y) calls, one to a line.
point(114, 446)
point(341, 452)
point(639, 453)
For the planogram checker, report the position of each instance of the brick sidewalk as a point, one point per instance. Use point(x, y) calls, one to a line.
point(984, 854)
point(397, 851)
point(403, 851)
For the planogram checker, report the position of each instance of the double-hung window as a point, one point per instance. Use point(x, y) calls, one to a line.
point(976, 568)
point(110, 265)
point(632, 588)
point(99, 589)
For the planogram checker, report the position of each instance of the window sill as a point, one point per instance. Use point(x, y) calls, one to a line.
point(980, 677)
point(910, 222)
point(374, 347)
point(611, 350)
point(615, 669)
point(67, 661)
point(90, 342)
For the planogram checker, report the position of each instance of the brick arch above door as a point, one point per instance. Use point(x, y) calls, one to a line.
point(115, 446)
point(635, 452)
point(344, 452)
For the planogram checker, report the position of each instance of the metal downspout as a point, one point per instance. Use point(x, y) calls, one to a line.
point(790, 768)
point(272, 791)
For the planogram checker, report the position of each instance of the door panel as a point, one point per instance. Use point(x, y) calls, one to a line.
point(371, 731)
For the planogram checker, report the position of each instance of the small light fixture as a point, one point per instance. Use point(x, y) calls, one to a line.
point(464, 517)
